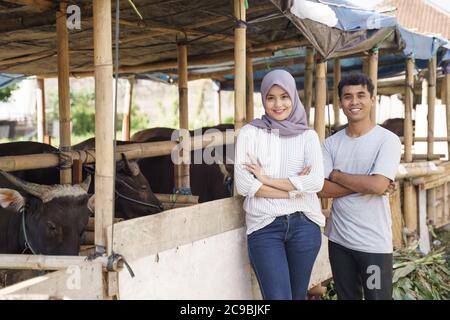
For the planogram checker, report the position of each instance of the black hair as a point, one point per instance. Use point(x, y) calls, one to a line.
point(355, 79)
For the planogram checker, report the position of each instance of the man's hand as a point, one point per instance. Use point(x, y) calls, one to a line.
point(391, 188)
point(332, 175)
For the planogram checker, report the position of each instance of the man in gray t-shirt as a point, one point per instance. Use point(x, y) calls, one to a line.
point(360, 163)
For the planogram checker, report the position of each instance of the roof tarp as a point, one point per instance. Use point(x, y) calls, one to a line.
point(338, 27)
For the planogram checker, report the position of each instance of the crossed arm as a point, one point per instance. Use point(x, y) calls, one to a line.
point(341, 184)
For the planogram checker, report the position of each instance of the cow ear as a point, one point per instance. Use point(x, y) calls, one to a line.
point(91, 204)
point(11, 198)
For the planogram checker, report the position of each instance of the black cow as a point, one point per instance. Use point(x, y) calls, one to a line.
point(208, 181)
point(41, 219)
point(134, 196)
point(47, 176)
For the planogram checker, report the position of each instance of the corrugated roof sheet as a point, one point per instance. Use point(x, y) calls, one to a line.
point(422, 16)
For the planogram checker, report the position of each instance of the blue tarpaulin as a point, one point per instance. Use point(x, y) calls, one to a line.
point(7, 79)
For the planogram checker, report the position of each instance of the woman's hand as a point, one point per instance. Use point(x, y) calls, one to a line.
point(255, 168)
point(306, 170)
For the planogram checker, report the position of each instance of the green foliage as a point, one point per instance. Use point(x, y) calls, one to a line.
point(417, 277)
point(5, 93)
point(83, 112)
point(83, 115)
point(228, 120)
point(167, 116)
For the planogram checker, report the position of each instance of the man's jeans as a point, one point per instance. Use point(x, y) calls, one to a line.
point(282, 255)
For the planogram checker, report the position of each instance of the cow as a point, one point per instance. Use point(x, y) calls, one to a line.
point(208, 181)
point(41, 219)
point(47, 176)
point(396, 125)
point(134, 196)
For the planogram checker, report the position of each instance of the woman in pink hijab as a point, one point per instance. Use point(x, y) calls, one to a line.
point(279, 170)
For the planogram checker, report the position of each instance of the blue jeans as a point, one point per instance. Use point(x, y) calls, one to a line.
point(282, 255)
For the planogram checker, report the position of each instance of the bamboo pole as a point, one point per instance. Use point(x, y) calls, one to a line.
point(128, 102)
point(309, 81)
point(182, 170)
point(63, 89)
point(240, 62)
point(132, 151)
point(40, 109)
point(373, 75)
point(250, 107)
point(409, 98)
point(447, 106)
point(45, 262)
point(431, 103)
point(219, 97)
point(321, 87)
point(337, 78)
point(104, 131)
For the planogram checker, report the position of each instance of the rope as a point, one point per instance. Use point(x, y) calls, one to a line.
point(24, 229)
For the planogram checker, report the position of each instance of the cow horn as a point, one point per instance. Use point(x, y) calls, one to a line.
point(37, 190)
point(131, 169)
point(91, 204)
point(86, 183)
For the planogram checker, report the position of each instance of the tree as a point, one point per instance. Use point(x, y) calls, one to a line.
point(5, 93)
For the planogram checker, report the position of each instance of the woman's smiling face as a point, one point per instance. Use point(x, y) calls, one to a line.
point(278, 104)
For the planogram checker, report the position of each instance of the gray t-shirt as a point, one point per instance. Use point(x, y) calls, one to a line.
point(358, 221)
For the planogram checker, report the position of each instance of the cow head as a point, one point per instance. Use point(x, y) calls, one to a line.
point(134, 197)
point(54, 216)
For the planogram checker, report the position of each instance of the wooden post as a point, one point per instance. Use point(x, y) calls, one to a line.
point(239, 64)
point(40, 109)
point(409, 198)
point(104, 131)
point(219, 106)
point(77, 171)
point(410, 210)
point(63, 88)
point(431, 105)
point(321, 93)
point(128, 102)
point(337, 78)
point(373, 75)
point(250, 107)
point(447, 105)
point(309, 63)
point(409, 96)
point(431, 194)
point(182, 170)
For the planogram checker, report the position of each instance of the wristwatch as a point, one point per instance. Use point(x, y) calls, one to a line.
point(294, 194)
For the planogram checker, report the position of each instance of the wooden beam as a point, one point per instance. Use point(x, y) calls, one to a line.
point(240, 62)
point(63, 89)
point(104, 131)
point(321, 93)
point(132, 151)
point(309, 81)
point(431, 104)
point(336, 79)
point(41, 5)
point(158, 30)
point(44, 262)
point(250, 106)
